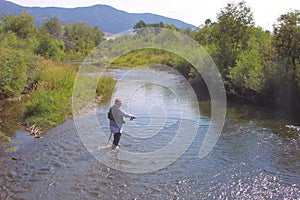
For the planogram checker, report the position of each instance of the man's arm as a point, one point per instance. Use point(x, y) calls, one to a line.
point(128, 115)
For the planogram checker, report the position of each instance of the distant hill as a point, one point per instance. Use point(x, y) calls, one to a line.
point(108, 19)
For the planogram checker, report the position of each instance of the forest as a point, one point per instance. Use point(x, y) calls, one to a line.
point(257, 66)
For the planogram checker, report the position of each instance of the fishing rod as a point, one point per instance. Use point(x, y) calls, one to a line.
point(171, 118)
point(144, 117)
point(109, 138)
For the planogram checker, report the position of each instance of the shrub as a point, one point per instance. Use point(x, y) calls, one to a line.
point(12, 72)
point(50, 48)
point(51, 102)
point(105, 87)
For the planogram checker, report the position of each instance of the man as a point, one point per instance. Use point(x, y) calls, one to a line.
point(116, 121)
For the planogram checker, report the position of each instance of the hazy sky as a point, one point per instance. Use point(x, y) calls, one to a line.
point(194, 12)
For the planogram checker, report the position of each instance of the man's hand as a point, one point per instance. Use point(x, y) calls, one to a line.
point(132, 118)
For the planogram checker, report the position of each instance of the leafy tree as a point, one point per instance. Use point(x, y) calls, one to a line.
point(204, 34)
point(231, 34)
point(22, 25)
point(286, 42)
point(140, 24)
point(188, 31)
point(12, 72)
point(9, 40)
point(171, 26)
point(249, 75)
point(287, 37)
point(50, 48)
point(80, 37)
point(53, 27)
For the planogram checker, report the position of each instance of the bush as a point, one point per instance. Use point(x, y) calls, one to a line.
point(51, 102)
point(50, 48)
point(12, 73)
point(47, 108)
point(105, 87)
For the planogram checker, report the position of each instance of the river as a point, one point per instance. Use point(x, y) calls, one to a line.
point(257, 155)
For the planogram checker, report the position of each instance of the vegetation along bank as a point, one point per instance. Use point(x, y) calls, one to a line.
point(33, 69)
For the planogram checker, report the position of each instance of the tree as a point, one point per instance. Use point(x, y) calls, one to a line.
point(80, 37)
point(204, 33)
point(53, 27)
point(9, 40)
point(286, 42)
point(287, 38)
point(50, 48)
point(22, 25)
point(231, 34)
point(12, 72)
point(249, 74)
point(140, 24)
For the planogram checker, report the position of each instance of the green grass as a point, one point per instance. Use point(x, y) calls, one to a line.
point(105, 88)
point(143, 57)
point(51, 102)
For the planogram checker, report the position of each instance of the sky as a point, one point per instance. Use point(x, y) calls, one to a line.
point(194, 12)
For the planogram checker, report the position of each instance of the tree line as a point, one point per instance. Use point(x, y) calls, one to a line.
point(23, 46)
point(257, 66)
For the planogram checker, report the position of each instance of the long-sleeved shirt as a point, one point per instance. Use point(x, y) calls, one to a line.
point(118, 115)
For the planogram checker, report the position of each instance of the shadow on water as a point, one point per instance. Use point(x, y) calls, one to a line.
point(281, 122)
point(11, 115)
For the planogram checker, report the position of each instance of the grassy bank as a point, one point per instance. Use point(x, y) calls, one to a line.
point(50, 102)
point(143, 57)
point(31, 63)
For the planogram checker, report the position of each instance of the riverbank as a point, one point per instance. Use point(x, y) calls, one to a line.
point(49, 104)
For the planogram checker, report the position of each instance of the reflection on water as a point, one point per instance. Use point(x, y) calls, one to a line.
point(11, 113)
point(255, 158)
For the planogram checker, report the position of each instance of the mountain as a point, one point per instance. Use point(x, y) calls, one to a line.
point(108, 19)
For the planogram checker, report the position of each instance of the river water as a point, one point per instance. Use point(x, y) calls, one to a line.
point(257, 155)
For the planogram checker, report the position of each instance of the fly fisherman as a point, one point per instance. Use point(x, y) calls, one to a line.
point(116, 121)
